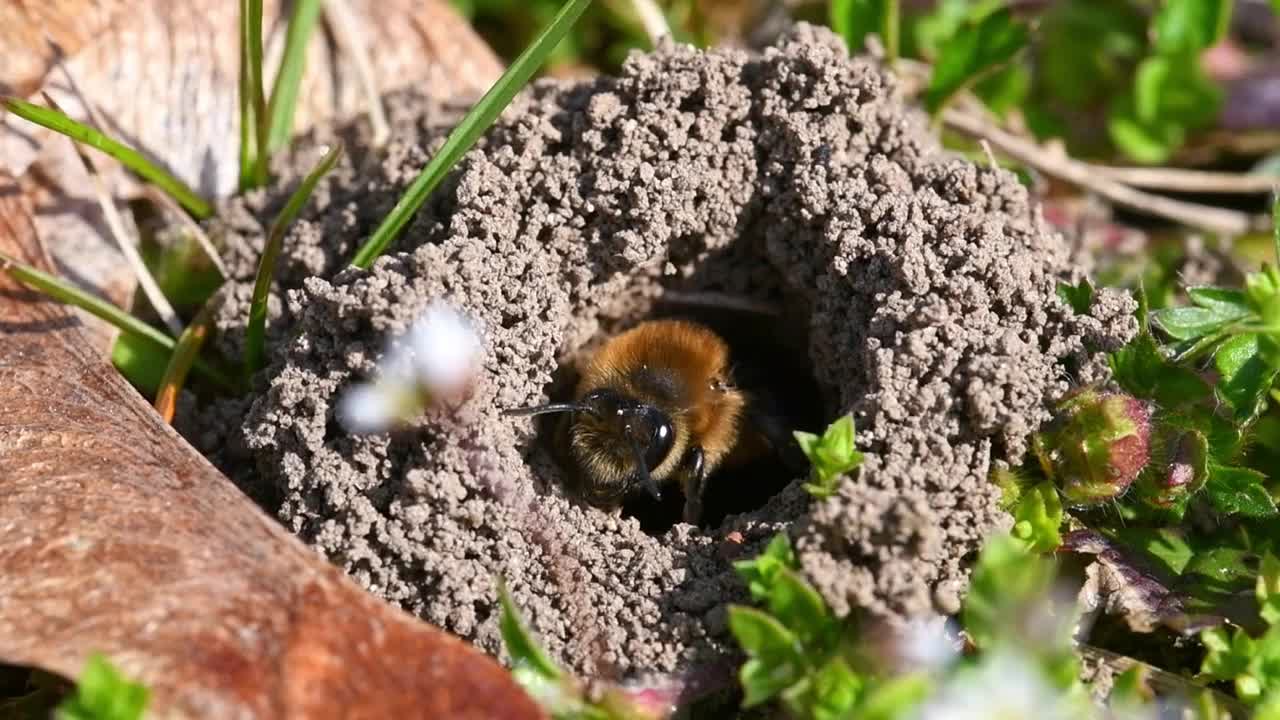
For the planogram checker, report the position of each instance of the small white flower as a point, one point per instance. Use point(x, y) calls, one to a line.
point(437, 359)
point(1003, 686)
point(926, 645)
point(446, 350)
point(366, 408)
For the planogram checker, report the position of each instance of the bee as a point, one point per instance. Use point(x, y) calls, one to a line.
point(654, 407)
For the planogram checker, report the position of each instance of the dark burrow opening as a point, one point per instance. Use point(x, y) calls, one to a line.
point(770, 362)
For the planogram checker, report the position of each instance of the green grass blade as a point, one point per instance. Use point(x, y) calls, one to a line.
point(485, 112)
point(253, 110)
point(130, 158)
point(284, 95)
point(255, 334)
point(64, 292)
point(184, 355)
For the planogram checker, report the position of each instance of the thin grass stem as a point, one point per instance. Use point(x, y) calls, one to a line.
point(184, 355)
point(469, 130)
point(255, 333)
point(284, 94)
point(130, 158)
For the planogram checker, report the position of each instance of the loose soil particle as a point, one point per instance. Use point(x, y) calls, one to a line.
point(795, 175)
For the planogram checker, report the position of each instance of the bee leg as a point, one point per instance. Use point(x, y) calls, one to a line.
point(695, 484)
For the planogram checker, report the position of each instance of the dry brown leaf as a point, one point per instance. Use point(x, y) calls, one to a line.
point(116, 536)
point(163, 76)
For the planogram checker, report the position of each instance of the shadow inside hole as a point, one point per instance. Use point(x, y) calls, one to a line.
point(770, 362)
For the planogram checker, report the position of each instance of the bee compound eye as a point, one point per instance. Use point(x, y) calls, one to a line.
point(657, 434)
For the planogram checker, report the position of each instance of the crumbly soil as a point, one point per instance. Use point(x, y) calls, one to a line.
point(922, 288)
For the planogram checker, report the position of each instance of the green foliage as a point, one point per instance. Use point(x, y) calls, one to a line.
point(130, 158)
point(64, 292)
point(984, 44)
point(854, 20)
point(1251, 664)
point(255, 335)
point(832, 454)
point(1079, 296)
point(800, 655)
point(561, 695)
point(1038, 517)
point(253, 106)
point(1006, 579)
point(103, 693)
point(284, 95)
point(468, 131)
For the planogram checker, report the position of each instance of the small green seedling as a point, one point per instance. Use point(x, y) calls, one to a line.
point(103, 693)
point(832, 454)
point(1251, 664)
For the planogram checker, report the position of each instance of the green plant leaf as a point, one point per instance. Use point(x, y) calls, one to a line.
point(834, 691)
point(255, 334)
point(799, 607)
point(130, 158)
point(1268, 589)
point(832, 454)
point(1229, 300)
point(253, 106)
point(103, 693)
point(284, 94)
point(1188, 323)
point(476, 121)
point(65, 292)
point(761, 572)
point(1142, 370)
point(894, 698)
point(1037, 518)
point(1079, 297)
point(1239, 491)
point(1006, 577)
point(1183, 25)
point(988, 43)
point(521, 645)
point(776, 657)
point(1244, 377)
point(853, 20)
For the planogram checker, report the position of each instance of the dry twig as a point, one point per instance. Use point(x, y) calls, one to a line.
point(344, 23)
point(1090, 177)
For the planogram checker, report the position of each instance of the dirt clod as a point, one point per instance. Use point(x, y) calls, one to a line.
point(927, 285)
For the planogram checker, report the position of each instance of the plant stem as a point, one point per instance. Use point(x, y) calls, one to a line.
point(127, 156)
point(890, 30)
point(255, 333)
point(481, 116)
point(284, 95)
point(184, 354)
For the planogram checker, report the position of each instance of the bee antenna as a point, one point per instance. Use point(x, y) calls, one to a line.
point(548, 409)
point(645, 478)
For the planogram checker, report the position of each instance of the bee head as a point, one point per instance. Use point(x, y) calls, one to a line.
point(614, 422)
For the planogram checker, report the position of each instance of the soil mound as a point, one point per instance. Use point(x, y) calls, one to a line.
point(924, 288)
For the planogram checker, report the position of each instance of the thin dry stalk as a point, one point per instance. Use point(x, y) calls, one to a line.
point(653, 20)
point(345, 25)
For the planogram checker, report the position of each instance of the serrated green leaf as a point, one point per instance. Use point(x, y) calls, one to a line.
point(1188, 323)
point(984, 45)
point(1142, 370)
point(761, 572)
point(1239, 491)
point(103, 693)
point(1227, 300)
point(1078, 297)
point(1166, 546)
point(1245, 377)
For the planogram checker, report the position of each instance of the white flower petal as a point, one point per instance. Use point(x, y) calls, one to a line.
point(367, 409)
point(446, 349)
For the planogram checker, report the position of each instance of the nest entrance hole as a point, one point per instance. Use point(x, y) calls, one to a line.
point(768, 348)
